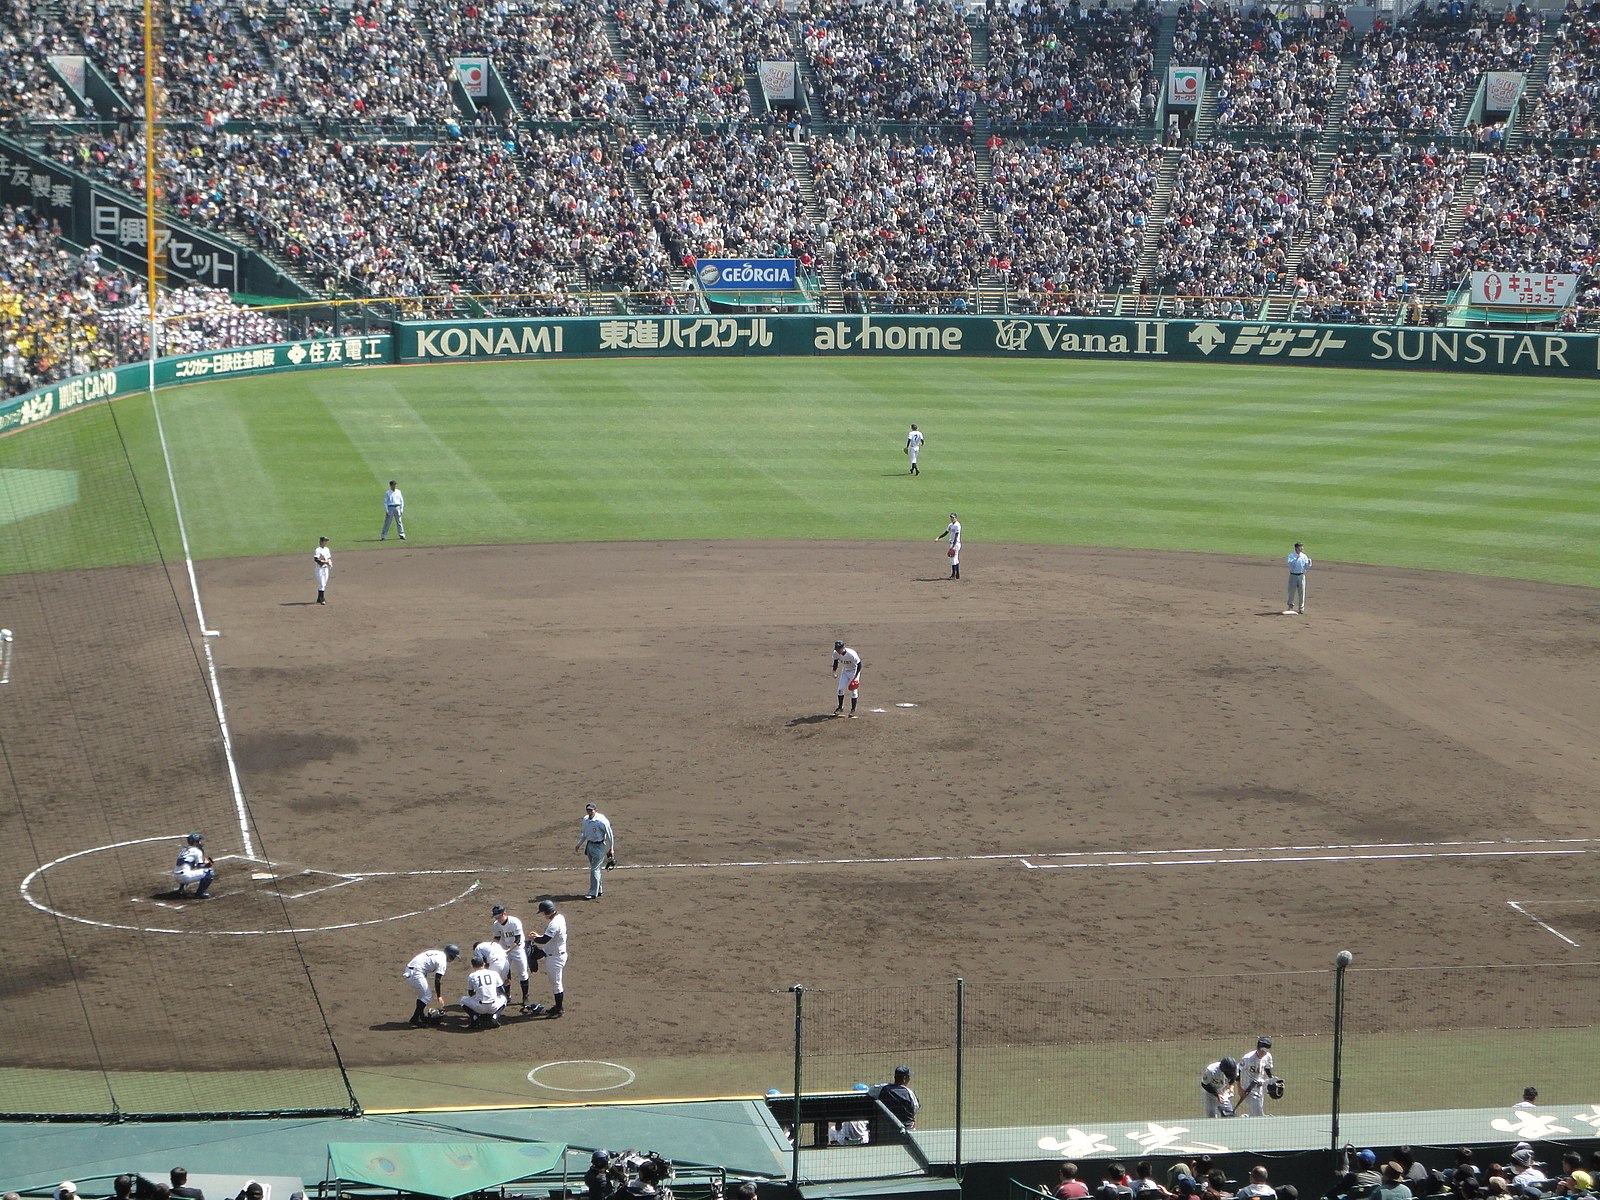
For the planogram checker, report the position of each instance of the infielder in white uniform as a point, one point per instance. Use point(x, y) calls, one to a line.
point(424, 975)
point(323, 558)
point(953, 532)
point(507, 931)
point(553, 943)
point(486, 994)
point(194, 867)
point(914, 441)
point(847, 671)
point(1255, 1070)
point(394, 508)
point(496, 957)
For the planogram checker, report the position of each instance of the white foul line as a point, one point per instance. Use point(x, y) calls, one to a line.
point(1296, 858)
point(1543, 925)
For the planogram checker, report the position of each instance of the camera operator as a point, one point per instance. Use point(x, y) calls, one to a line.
point(647, 1180)
point(599, 1180)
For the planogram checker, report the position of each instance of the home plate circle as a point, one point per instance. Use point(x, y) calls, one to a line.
point(904, 704)
point(581, 1075)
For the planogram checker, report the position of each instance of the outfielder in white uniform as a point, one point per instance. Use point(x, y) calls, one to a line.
point(507, 931)
point(553, 942)
point(1216, 1085)
point(1255, 1070)
point(394, 510)
point(914, 441)
point(953, 532)
point(847, 671)
point(323, 558)
point(424, 975)
point(486, 992)
point(194, 867)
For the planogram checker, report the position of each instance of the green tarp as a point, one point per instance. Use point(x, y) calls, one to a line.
point(444, 1169)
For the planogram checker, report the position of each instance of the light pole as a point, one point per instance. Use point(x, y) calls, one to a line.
point(1341, 964)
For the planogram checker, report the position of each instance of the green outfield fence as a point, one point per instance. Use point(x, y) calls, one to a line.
point(1009, 1066)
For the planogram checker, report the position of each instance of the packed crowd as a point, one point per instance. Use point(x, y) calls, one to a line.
point(1233, 215)
point(1569, 105)
point(901, 218)
point(899, 61)
point(553, 56)
point(1374, 236)
point(27, 89)
point(1056, 62)
point(1268, 71)
point(688, 61)
point(1418, 75)
point(64, 313)
point(1072, 218)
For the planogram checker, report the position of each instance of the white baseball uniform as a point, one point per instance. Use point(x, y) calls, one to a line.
point(323, 557)
point(914, 442)
point(555, 951)
point(192, 867)
point(485, 991)
point(421, 970)
point(507, 931)
point(848, 665)
point(495, 957)
point(394, 508)
point(953, 532)
point(1255, 1069)
point(1215, 1086)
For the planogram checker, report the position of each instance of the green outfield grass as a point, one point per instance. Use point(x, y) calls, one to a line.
point(1451, 472)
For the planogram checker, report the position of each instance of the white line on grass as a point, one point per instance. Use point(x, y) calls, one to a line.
point(1542, 924)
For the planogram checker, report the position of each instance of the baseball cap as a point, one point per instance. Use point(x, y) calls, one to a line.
point(837, 645)
point(1523, 1157)
point(600, 1156)
point(497, 910)
point(1264, 1043)
point(1187, 1185)
point(66, 1188)
point(1367, 1158)
point(903, 1070)
point(1582, 1179)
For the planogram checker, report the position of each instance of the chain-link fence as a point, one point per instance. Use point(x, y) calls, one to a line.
point(1005, 1068)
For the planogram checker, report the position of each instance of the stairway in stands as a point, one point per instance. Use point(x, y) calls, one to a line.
point(1137, 304)
point(827, 265)
point(1538, 76)
point(992, 288)
point(613, 33)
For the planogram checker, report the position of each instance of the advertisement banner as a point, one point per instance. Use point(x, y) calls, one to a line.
point(40, 405)
point(1503, 90)
point(71, 69)
point(778, 80)
point(473, 72)
point(747, 274)
point(1185, 86)
point(28, 183)
point(1523, 289)
point(1264, 342)
point(119, 228)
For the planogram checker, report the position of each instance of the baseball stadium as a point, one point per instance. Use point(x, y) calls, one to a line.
point(418, 423)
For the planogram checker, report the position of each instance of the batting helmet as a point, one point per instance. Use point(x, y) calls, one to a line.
point(194, 839)
point(838, 645)
point(497, 910)
point(1229, 1068)
point(477, 958)
point(452, 952)
point(547, 906)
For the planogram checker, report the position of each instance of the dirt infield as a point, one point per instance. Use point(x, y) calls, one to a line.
point(1069, 763)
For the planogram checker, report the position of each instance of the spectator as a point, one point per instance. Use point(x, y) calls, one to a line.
point(899, 1099)
point(1071, 1187)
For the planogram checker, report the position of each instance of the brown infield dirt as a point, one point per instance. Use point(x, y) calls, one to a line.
point(451, 709)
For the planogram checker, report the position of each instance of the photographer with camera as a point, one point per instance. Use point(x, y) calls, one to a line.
point(599, 1181)
point(641, 1176)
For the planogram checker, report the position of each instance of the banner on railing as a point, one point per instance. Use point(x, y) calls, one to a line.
point(1185, 86)
point(473, 72)
point(747, 274)
point(73, 70)
point(119, 228)
point(1527, 289)
point(1503, 90)
point(778, 80)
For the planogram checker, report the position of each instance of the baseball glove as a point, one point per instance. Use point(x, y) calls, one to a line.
point(433, 1016)
point(854, 685)
point(611, 861)
point(950, 553)
point(1275, 1088)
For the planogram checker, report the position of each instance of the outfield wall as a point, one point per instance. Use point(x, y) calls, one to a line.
point(1483, 351)
point(115, 382)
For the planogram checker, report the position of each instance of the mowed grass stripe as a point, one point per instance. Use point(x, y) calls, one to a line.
point(1484, 475)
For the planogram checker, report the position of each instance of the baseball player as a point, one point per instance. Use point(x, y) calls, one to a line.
point(486, 991)
point(847, 672)
point(1255, 1072)
point(598, 841)
point(914, 441)
point(552, 947)
point(417, 976)
point(1216, 1083)
point(394, 507)
point(507, 931)
point(194, 867)
point(323, 558)
point(953, 532)
point(494, 955)
point(1299, 564)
